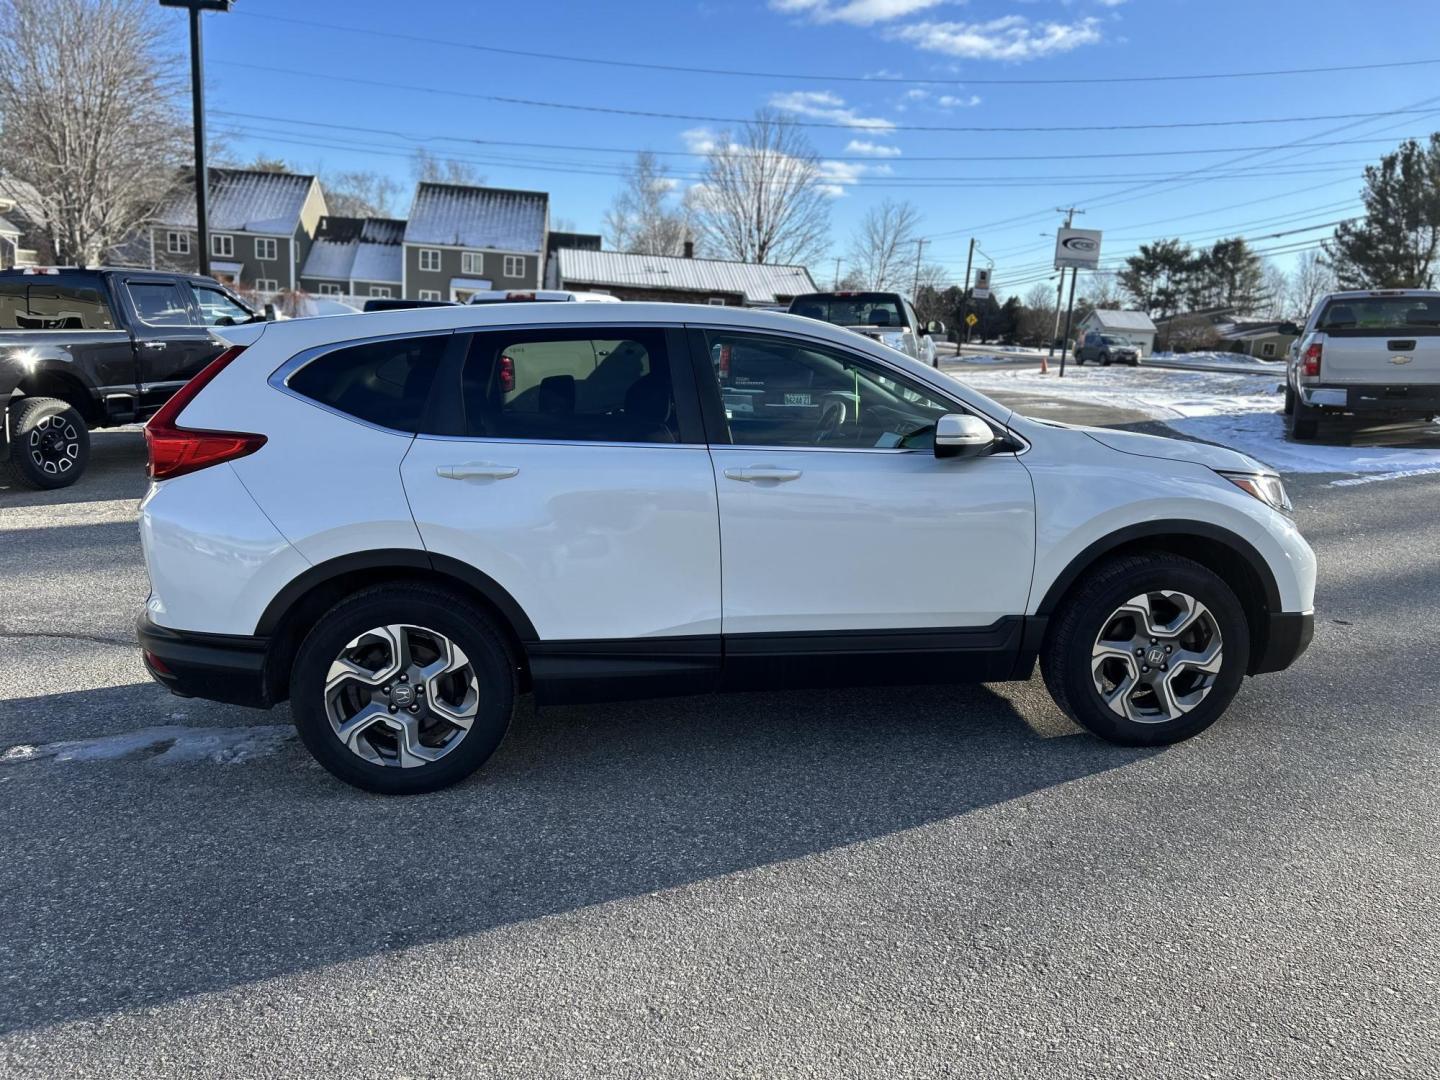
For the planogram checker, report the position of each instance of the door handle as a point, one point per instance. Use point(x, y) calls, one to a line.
point(755, 473)
point(152, 344)
point(476, 470)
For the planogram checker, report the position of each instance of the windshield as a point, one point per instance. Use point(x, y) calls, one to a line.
point(1359, 316)
point(856, 309)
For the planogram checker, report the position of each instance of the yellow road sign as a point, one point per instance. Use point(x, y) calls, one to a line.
point(971, 320)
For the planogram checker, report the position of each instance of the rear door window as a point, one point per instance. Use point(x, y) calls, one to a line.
point(610, 385)
point(30, 304)
point(160, 303)
point(385, 383)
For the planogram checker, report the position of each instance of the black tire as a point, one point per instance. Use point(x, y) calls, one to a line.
point(416, 605)
point(1065, 662)
point(1079, 359)
point(1289, 399)
point(1104, 359)
point(49, 444)
point(1302, 422)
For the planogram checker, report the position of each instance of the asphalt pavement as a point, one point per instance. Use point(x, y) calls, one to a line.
point(881, 883)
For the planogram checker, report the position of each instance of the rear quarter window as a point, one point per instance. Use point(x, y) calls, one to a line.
point(36, 304)
point(385, 383)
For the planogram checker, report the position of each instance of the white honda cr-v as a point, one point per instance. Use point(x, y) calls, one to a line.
point(401, 521)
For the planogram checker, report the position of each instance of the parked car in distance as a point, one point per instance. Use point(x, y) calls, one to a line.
point(400, 522)
point(1368, 355)
point(542, 296)
point(87, 348)
point(1106, 349)
point(889, 318)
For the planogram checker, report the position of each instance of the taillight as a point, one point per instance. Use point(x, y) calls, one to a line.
point(174, 451)
point(520, 296)
point(507, 374)
point(1310, 362)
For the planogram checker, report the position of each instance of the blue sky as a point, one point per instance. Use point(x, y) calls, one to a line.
point(973, 51)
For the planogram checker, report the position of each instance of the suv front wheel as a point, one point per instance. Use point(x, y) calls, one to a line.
point(1148, 650)
point(403, 689)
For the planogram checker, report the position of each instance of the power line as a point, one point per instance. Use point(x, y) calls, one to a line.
point(686, 69)
point(856, 128)
point(871, 158)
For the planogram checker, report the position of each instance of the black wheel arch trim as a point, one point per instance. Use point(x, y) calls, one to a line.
point(1161, 528)
point(397, 559)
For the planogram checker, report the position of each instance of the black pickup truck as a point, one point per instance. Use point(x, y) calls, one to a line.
point(85, 348)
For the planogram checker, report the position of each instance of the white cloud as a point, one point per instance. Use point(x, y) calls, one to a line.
point(1013, 37)
point(964, 101)
point(916, 94)
point(854, 12)
point(699, 140)
point(873, 149)
point(823, 105)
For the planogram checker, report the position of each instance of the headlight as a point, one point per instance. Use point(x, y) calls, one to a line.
point(1267, 487)
point(895, 341)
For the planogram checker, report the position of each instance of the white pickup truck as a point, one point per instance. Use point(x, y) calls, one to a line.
point(1373, 353)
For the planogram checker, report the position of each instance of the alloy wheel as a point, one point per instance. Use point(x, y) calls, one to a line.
point(1157, 656)
point(401, 696)
point(54, 445)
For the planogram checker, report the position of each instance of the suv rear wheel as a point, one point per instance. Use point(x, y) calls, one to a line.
point(49, 443)
point(1147, 651)
point(402, 689)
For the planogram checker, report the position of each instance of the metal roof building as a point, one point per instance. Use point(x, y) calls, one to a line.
point(677, 278)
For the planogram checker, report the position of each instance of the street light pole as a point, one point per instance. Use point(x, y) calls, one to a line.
point(197, 104)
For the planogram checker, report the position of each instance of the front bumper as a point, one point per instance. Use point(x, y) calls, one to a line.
point(1287, 637)
point(218, 667)
point(1420, 400)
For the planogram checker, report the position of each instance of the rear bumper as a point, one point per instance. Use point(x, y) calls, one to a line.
point(1377, 399)
point(218, 667)
point(1286, 640)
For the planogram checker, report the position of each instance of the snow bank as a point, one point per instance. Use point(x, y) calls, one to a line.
point(1239, 411)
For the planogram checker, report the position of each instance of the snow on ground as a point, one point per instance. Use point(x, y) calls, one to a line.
point(165, 744)
point(1240, 411)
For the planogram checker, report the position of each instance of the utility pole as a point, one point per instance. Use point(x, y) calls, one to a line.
point(197, 104)
point(915, 287)
point(836, 287)
point(969, 259)
point(1069, 213)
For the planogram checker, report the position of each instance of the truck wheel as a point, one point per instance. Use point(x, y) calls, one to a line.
point(1289, 400)
point(1302, 422)
point(49, 444)
point(1104, 359)
point(1148, 650)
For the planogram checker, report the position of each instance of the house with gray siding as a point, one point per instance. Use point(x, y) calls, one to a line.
point(461, 239)
point(679, 279)
point(262, 226)
point(355, 259)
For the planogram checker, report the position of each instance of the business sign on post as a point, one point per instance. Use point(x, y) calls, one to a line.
point(982, 285)
point(1077, 248)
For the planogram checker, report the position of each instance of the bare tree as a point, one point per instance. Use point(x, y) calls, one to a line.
point(645, 217)
point(761, 199)
point(426, 167)
point(1037, 317)
point(1101, 289)
point(361, 193)
point(91, 139)
point(1275, 298)
point(882, 251)
point(1312, 279)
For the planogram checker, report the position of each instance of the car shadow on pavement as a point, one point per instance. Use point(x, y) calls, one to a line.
point(130, 884)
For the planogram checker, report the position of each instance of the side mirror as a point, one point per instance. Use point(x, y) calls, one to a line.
point(934, 327)
point(962, 436)
point(269, 312)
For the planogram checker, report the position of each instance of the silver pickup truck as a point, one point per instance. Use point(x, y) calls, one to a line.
point(1373, 353)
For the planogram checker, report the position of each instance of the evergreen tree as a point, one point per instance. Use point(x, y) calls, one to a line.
point(1396, 244)
point(1157, 277)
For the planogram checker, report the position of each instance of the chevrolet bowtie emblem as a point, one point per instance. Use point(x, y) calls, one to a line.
point(1401, 359)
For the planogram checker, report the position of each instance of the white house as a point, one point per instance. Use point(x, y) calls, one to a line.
point(1134, 325)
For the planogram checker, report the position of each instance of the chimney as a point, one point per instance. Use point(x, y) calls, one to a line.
point(689, 249)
